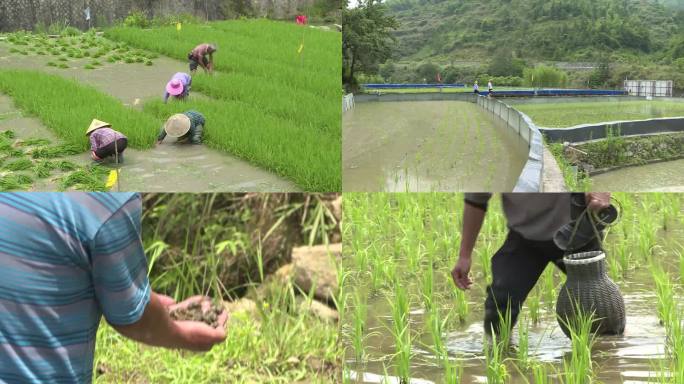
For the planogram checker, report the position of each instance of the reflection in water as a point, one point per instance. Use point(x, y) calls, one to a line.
point(665, 177)
point(426, 146)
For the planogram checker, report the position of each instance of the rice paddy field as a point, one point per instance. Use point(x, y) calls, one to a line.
point(406, 322)
point(568, 114)
point(428, 146)
point(270, 104)
point(206, 244)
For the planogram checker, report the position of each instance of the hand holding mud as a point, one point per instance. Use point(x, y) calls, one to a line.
point(200, 322)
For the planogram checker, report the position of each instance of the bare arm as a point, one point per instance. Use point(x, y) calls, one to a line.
point(473, 217)
point(156, 328)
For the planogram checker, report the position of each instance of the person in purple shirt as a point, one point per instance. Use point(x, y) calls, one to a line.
point(105, 142)
point(178, 86)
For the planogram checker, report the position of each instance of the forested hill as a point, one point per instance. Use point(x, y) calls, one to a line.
point(560, 30)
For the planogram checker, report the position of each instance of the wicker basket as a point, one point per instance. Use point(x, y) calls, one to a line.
point(589, 286)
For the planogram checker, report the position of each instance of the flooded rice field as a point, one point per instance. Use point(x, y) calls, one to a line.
point(399, 264)
point(168, 167)
point(664, 176)
point(428, 146)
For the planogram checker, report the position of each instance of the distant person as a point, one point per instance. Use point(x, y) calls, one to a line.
point(203, 56)
point(186, 127)
point(67, 260)
point(490, 88)
point(476, 88)
point(105, 142)
point(178, 86)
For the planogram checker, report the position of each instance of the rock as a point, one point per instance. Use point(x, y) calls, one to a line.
point(293, 360)
point(241, 309)
point(336, 208)
point(284, 273)
point(320, 310)
point(315, 267)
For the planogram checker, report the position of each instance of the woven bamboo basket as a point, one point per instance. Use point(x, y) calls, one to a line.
point(589, 287)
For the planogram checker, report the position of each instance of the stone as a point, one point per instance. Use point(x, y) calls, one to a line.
point(320, 310)
point(315, 267)
point(241, 309)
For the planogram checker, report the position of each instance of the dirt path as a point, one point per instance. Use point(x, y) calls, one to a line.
point(169, 167)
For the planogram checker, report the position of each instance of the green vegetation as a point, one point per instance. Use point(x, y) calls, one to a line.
point(399, 250)
point(206, 244)
point(638, 39)
point(42, 95)
point(561, 115)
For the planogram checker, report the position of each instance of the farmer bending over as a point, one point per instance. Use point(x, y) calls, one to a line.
point(184, 126)
point(202, 55)
point(67, 259)
point(105, 142)
point(532, 218)
point(178, 86)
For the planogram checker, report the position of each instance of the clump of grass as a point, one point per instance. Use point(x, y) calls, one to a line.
point(60, 150)
point(15, 182)
point(40, 94)
point(88, 66)
point(87, 179)
point(51, 64)
point(148, 62)
point(129, 59)
point(63, 58)
point(579, 370)
point(95, 63)
point(63, 66)
point(19, 165)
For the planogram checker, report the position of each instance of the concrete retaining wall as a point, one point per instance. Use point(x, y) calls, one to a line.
point(588, 132)
point(530, 179)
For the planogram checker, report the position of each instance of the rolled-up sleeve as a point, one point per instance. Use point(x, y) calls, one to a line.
point(119, 266)
point(478, 200)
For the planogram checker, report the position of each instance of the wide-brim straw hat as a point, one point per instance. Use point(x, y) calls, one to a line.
point(177, 125)
point(175, 87)
point(96, 124)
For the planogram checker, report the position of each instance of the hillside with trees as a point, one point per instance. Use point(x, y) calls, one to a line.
point(597, 42)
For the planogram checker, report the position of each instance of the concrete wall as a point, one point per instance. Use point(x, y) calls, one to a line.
point(531, 177)
point(588, 132)
point(364, 97)
point(25, 14)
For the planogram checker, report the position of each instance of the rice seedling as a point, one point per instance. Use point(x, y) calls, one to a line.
point(359, 315)
point(88, 66)
point(401, 332)
point(129, 59)
point(579, 370)
point(51, 64)
point(38, 93)
point(461, 306)
point(19, 165)
point(95, 63)
point(523, 348)
point(540, 374)
point(87, 179)
point(15, 182)
point(62, 66)
point(148, 62)
point(533, 303)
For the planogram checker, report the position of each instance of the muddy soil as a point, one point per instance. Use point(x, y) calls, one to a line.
point(195, 312)
point(664, 177)
point(166, 168)
point(428, 146)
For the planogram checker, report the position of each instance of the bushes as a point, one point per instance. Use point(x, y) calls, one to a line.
point(545, 76)
point(67, 107)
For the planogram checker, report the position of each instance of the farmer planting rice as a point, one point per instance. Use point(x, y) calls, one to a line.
point(178, 86)
point(203, 56)
point(533, 219)
point(65, 261)
point(186, 126)
point(105, 142)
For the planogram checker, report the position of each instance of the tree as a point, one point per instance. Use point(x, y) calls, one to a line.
point(450, 75)
point(427, 72)
point(504, 64)
point(600, 75)
point(366, 40)
point(387, 70)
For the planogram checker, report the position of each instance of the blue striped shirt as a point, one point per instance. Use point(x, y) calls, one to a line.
point(66, 259)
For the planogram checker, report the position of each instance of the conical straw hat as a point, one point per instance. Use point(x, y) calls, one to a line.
point(177, 125)
point(96, 124)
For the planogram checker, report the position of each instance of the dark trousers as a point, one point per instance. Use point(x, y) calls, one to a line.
point(516, 267)
point(110, 149)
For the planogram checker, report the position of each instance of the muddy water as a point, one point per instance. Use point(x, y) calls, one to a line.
point(169, 167)
point(666, 176)
point(630, 358)
point(428, 146)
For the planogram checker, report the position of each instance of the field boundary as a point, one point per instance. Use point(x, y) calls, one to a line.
point(427, 96)
point(531, 177)
point(587, 132)
point(619, 167)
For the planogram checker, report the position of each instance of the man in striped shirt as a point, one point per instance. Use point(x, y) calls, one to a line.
point(66, 259)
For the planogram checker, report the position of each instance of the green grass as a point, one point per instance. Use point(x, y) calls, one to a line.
point(560, 115)
point(296, 152)
point(42, 95)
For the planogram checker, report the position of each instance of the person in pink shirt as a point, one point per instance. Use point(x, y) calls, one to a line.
point(202, 56)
